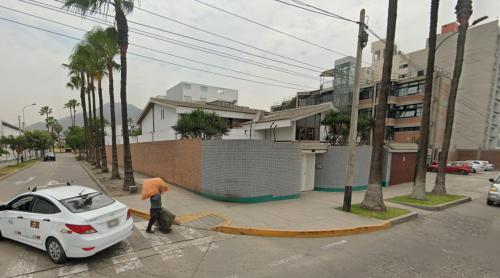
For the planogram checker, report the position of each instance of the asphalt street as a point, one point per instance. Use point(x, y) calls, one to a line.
point(460, 242)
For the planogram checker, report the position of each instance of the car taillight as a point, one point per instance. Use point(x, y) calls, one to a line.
point(81, 229)
point(129, 214)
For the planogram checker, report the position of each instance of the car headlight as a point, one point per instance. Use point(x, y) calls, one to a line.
point(493, 189)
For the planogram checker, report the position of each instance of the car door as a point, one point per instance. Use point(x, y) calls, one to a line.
point(14, 218)
point(41, 220)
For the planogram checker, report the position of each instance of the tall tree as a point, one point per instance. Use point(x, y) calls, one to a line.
point(374, 199)
point(45, 111)
point(463, 9)
point(72, 103)
point(418, 191)
point(121, 7)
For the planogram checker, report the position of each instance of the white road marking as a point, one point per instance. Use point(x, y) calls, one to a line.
point(286, 260)
point(26, 181)
point(448, 251)
point(128, 260)
point(333, 244)
point(23, 263)
point(168, 252)
point(53, 182)
point(80, 269)
point(189, 233)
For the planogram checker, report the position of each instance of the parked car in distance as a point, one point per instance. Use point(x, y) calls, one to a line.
point(494, 192)
point(66, 221)
point(458, 167)
point(486, 164)
point(49, 157)
point(476, 167)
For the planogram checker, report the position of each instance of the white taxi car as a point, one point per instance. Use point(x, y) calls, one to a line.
point(66, 221)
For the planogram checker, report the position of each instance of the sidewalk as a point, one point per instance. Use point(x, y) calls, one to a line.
point(314, 210)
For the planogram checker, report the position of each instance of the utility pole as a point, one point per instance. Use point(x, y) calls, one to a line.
point(353, 130)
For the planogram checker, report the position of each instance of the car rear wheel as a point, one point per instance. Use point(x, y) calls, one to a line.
point(462, 172)
point(56, 251)
point(489, 202)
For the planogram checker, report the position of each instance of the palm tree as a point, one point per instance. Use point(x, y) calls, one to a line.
point(45, 111)
point(121, 7)
point(72, 103)
point(374, 199)
point(418, 191)
point(464, 11)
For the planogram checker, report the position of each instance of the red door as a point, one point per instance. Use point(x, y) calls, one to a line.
point(402, 168)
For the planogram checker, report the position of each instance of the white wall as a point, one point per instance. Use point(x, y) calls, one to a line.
point(200, 92)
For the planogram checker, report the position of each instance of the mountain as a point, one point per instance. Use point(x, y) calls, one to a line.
point(133, 112)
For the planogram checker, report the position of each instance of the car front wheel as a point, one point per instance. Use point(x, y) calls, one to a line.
point(56, 251)
point(489, 202)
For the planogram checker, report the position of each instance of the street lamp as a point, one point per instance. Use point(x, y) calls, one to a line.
point(33, 104)
point(475, 22)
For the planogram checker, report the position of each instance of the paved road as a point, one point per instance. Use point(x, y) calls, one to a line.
point(459, 242)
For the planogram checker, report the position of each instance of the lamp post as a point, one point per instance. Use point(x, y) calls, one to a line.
point(475, 22)
point(33, 104)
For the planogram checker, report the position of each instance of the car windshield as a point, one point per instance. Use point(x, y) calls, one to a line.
point(87, 202)
point(497, 179)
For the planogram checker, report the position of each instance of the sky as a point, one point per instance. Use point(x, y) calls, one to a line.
point(31, 60)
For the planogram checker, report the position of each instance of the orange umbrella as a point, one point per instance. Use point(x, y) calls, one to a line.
point(153, 186)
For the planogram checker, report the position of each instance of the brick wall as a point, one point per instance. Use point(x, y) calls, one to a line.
point(493, 156)
point(406, 136)
point(178, 161)
point(245, 169)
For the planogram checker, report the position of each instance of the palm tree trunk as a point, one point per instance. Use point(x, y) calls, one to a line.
point(374, 199)
point(85, 122)
point(115, 173)
point(121, 23)
point(104, 160)
point(418, 191)
point(95, 128)
point(90, 123)
point(464, 10)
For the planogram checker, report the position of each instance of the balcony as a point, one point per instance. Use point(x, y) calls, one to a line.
point(410, 99)
point(403, 122)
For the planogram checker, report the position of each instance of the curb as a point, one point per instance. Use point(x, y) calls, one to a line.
point(181, 219)
point(95, 179)
point(403, 218)
point(20, 170)
point(438, 207)
point(302, 233)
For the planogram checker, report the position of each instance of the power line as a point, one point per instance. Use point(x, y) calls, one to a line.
point(158, 51)
point(271, 28)
point(151, 58)
point(177, 42)
point(227, 38)
point(325, 11)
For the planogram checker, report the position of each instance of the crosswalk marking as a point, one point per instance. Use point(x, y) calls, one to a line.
point(23, 263)
point(80, 269)
point(128, 260)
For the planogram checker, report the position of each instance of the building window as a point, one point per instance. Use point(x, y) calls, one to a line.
point(366, 93)
point(220, 91)
point(420, 73)
point(187, 98)
point(402, 129)
point(409, 111)
point(187, 86)
point(377, 55)
point(403, 66)
point(408, 89)
point(204, 88)
point(162, 114)
point(402, 76)
point(365, 112)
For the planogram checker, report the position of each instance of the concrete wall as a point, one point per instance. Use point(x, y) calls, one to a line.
point(200, 92)
point(331, 168)
point(250, 170)
point(178, 161)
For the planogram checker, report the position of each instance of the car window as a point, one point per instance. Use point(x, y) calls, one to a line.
point(87, 202)
point(23, 204)
point(44, 206)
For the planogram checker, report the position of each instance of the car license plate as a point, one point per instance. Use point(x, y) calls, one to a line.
point(112, 223)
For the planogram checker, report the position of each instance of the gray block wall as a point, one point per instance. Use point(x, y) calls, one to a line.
point(331, 168)
point(244, 169)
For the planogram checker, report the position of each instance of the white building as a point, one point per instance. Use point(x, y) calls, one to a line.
point(160, 114)
point(186, 91)
point(6, 130)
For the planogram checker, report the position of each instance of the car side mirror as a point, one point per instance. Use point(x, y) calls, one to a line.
point(491, 180)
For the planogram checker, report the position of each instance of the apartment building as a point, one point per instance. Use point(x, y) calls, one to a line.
point(188, 91)
point(477, 114)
